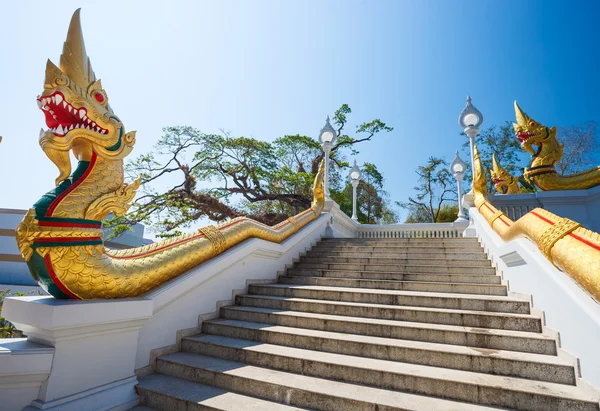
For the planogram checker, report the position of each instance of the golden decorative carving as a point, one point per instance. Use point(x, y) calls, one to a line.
point(496, 216)
point(504, 183)
point(61, 236)
point(548, 239)
point(541, 170)
point(216, 238)
point(117, 202)
point(570, 247)
point(297, 226)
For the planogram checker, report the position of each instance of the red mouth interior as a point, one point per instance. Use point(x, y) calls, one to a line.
point(523, 136)
point(496, 180)
point(62, 117)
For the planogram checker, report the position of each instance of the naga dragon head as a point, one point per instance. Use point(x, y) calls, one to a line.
point(77, 112)
point(502, 180)
point(529, 133)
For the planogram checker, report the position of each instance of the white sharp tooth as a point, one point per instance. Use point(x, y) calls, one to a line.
point(55, 118)
point(71, 128)
point(51, 111)
point(81, 113)
point(64, 104)
point(52, 99)
point(70, 109)
point(60, 130)
point(58, 98)
point(39, 103)
point(88, 120)
point(44, 102)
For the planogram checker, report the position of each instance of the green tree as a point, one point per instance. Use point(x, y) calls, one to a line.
point(582, 146)
point(7, 330)
point(219, 176)
point(435, 187)
point(372, 201)
point(447, 214)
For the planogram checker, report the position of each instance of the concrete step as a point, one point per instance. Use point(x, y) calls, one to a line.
point(399, 268)
point(491, 303)
point(168, 393)
point(494, 339)
point(427, 241)
point(400, 253)
point(444, 262)
point(300, 390)
point(400, 250)
point(515, 364)
point(459, 385)
point(436, 287)
point(479, 319)
point(390, 275)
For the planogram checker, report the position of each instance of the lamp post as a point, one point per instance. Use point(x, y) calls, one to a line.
point(354, 179)
point(327, 138)
point(470, 120)
point(458, 168)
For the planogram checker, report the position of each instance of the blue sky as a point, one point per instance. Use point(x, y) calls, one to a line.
point(268, 68)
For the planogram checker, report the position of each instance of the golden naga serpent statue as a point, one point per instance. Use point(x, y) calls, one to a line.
point(503, 181)
point(549, 151)
point(569, 246)
point(61, 236)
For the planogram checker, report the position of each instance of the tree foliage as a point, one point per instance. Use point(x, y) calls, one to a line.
point(435, 187)
point(191, 175)
point(7, 329)
point(372, 201)
point(582, 145)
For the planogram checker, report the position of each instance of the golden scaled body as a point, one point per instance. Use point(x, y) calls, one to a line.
point(541, 169)
point(61, 236)
point(503, 181)
point(570, 247)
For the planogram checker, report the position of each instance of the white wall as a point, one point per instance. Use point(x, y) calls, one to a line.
point(568, 308)
point(578, 205)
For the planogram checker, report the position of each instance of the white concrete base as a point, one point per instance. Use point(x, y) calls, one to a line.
point(95, 344)
point(116, 396)
point(567, 307)
point(24, 366)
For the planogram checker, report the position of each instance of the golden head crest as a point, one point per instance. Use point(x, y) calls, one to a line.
point(530, 132)
point(76, 108)
point(504, 182)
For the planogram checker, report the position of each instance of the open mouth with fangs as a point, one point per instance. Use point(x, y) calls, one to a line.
point(62, 117)
point(496, 180)
point(523, 136)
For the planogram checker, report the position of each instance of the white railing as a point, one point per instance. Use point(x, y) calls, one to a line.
point(422, 230)
point(343, 226)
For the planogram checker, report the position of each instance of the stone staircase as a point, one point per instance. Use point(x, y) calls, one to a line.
point(361, 324)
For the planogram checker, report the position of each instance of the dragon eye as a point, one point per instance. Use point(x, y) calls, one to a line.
point(531, 123)
point(99, 96)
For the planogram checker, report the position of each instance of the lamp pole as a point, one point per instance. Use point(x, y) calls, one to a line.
point(470, 119)
point(327, 137)
point(458, 168)
point(355, 175)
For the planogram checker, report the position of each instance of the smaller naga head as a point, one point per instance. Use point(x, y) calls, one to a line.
point(479, 180)
point(76, 108)
point(319, 185)
point(529, 133)
point(502, 180)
